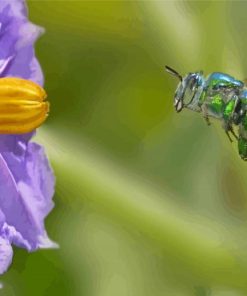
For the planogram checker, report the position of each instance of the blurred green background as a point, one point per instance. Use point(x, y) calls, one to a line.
point(148, 202)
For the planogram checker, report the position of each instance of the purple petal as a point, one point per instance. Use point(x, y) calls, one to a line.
point(6, 254)
point(17, 38)
point(14, 237)
point(12, 205)
point(15, 143)
point(17, 56)
point(29, 183)
point(2, 220)
point(26, 179)
point(16, 8)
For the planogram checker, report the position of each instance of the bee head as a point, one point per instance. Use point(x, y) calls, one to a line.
point(186, 89)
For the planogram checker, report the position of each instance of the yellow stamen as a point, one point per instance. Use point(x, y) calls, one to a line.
point(22, 105)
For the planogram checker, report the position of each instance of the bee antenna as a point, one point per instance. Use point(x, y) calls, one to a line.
point(173, 72)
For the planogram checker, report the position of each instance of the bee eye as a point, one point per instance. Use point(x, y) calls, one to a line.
point(193, 83)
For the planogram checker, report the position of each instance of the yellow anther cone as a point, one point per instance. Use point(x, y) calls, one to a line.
point(22, 105)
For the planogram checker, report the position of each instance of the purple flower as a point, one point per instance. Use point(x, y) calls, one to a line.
point(26, 178)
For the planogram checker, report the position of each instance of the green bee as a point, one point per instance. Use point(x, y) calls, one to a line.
point(219, 96)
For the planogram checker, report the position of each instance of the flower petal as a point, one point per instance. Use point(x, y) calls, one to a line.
point(6, 254)
point(17, 37)
point(29, 184)
point(14, 237)
point(15, 8)
point(17, 56)
point(26, 179)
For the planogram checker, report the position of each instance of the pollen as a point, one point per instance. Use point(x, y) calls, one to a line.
point(22, 105)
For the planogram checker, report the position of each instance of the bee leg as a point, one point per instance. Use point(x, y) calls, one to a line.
point(227, 133)
point(205, 114)
point(233, 133)
point(228, 128)
point(207, 120)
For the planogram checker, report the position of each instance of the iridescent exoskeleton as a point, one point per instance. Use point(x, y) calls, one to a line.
point(218, 95)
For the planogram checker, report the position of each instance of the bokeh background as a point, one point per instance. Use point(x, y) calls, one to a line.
point(148, 202)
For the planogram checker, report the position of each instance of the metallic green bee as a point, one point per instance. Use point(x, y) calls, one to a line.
point(220, 96)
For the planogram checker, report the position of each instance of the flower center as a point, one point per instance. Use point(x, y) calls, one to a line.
point(22, 105)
